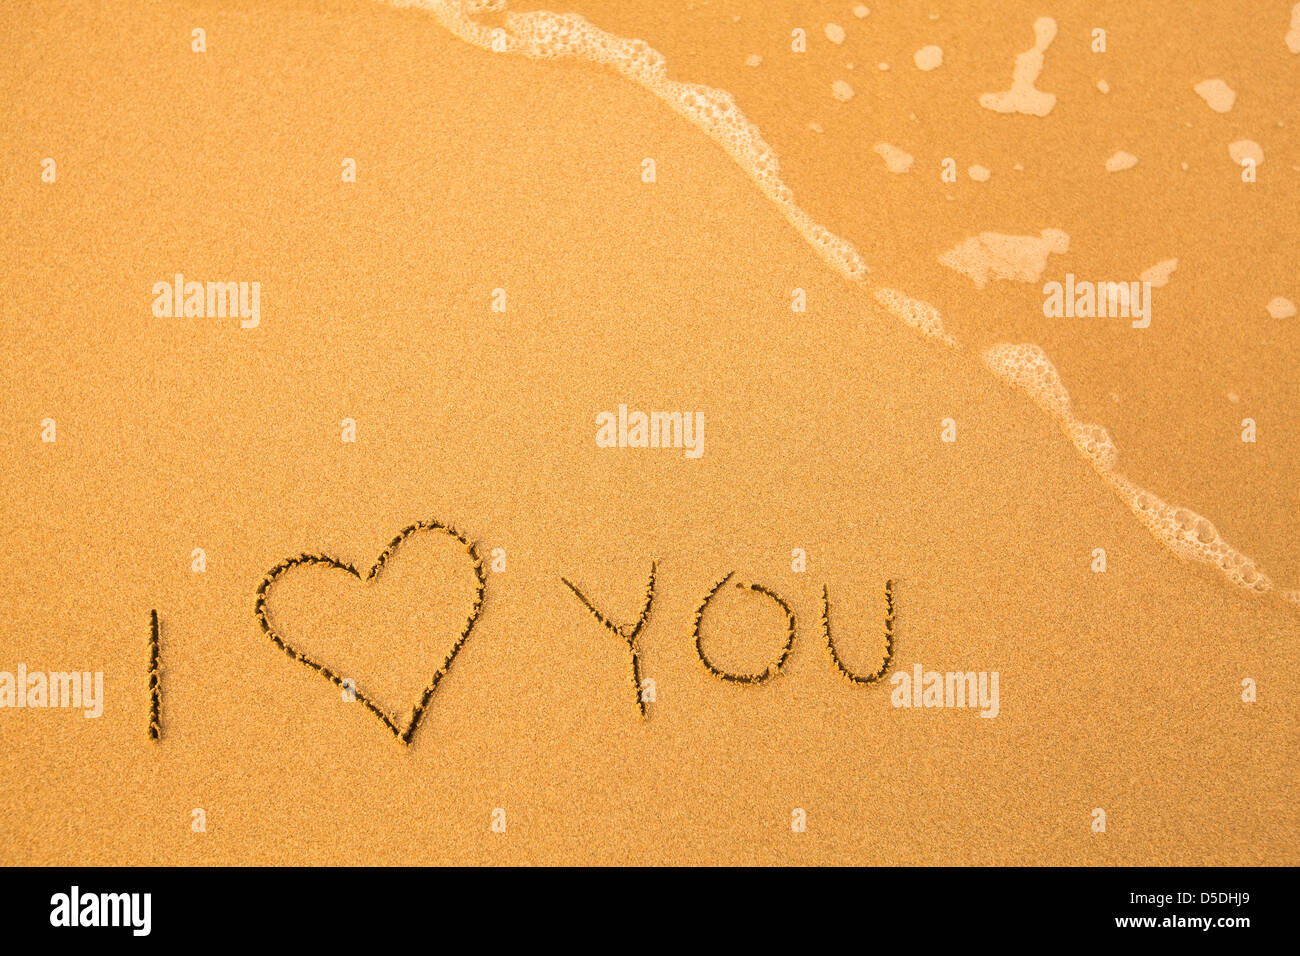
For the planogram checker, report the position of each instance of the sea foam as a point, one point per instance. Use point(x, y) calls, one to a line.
point(1186, 533)
point(543, 34)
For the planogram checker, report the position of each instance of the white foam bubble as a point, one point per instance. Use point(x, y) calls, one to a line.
point(842, 91)
point(834, 33)
point(896, 160)
point(1189, 535)
point(1218, 95)
point(979, 173)
point(1280, 308)
point(928, 58)
point(1293, 35)
point(1024, 97)
point(1121, 161)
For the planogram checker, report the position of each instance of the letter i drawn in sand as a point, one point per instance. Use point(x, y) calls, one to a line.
point(155, 686)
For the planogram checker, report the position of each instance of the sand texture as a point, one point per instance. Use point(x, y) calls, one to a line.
point(380, 660)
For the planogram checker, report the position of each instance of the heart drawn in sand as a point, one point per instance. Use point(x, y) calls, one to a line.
point(404, 734)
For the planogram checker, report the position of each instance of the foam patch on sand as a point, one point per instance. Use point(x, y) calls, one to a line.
point(1293, 35)
point(993, 255)
point(1189, 535)
point(1280, 308)
point(928, 58)
point(921, 316)
point(896, 160)
point(1244, 149)
point(1218, 95)
point(1158, 275)
point(1121, 161)
point(1024, 97)
point(545, 35)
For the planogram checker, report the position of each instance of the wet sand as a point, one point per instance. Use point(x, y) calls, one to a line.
point(1166, 393)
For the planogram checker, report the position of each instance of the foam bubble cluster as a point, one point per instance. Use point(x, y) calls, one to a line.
point(542, 34)
point(921, 316)
point(1189, 535)
point(1028, 367)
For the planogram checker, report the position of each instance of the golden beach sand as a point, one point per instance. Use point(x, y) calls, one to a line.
point(479, 171)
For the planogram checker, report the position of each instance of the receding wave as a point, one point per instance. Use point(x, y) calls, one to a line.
point(1186, 533)
point(544, 34)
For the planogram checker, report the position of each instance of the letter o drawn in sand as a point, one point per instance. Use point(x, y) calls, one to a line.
point(404, 734)
point(772, 669)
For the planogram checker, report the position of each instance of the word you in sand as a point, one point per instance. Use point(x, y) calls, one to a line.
point(404, 725)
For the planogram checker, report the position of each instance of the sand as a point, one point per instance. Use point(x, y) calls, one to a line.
point(487, 180)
